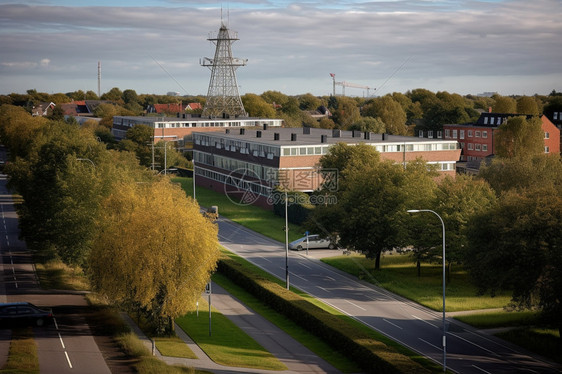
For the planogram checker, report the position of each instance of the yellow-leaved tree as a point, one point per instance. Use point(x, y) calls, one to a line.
point(154, 252)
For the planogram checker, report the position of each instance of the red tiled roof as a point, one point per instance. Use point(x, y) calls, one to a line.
point(168, 108)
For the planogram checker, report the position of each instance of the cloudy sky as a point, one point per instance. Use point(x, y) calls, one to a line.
point(155, 46)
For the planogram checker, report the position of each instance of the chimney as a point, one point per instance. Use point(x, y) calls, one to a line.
point(306, 130)
point(293, 137)
point(242, 131)
point(489, 109)
point(227, 131)
point(356, 134)
point(178, 114)
point(384, 136)
point(323, 138)
point(275, 136)
point(265, 126)
point(258, 134)
point(183, 116)
point(336, 133)
point(367, 135)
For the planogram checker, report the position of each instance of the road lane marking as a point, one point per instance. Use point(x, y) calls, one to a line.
point(423, 320)
point(308, 267)
point(355, 305)
point(61, 342)
point(476, 367)
point(474, 344)
point(266, 259)
point(323, 289)
point(68, 359)
point(433, 345)
point(393, 324)
point(56, 325)
point(330, 278)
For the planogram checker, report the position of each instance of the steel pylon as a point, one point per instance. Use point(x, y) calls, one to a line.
point(223, 98)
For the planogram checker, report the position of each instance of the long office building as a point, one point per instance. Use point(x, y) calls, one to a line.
point(251, 163)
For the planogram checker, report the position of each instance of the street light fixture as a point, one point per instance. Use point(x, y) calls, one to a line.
point(444, 329)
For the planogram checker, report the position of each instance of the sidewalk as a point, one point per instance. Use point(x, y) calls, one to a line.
point(295, 356)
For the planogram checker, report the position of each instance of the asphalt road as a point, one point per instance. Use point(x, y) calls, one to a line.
point(414, 326)
point(67, 346)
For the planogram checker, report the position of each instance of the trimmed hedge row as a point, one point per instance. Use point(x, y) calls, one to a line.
point(371, 355)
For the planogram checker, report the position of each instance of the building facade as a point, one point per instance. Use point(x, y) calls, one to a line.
point(477, 140)
point(251, 163)
point(181, 127)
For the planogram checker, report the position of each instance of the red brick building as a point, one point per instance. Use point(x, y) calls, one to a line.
point(251, 163)
point(477, 140)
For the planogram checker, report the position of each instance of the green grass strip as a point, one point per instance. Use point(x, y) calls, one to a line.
point(228, 345)
point(22, 357)
point(316, 345)
point(398, 274)
point(174, 347)
point(253, 217)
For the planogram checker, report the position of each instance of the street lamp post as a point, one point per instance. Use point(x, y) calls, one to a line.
point(286, 243)
point(444, 328)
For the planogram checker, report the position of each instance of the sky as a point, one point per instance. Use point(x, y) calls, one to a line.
point(513, 47)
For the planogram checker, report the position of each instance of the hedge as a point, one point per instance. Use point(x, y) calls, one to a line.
point(371, 355)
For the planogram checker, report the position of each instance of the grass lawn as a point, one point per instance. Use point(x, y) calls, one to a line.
point(489, 320)
point(174, 347)
point(398, 274)
point(228, 345)
point(250, 216)
point(545, 342)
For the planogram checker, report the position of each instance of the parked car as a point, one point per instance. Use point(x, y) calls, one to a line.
point(314, 242)
point(24, 313)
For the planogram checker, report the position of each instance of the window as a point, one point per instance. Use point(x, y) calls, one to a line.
point(462, 134)
point(447, 133)
point(420, 134)
point(546, 149)
point(484, 147)
point(485, 134)
point(555, 115)
point(491, 120)
point(470, 146)
point(477, 134)
point(430, 134)
point(546, 135)
point(470, 133)
point(462, 145)
point(478, 147)
point(485, 120)
point(454, 134)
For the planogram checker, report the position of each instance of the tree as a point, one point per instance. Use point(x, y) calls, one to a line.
point(518, 246)
point(115, 94)
point(257, 106)
point(130, 96)
point(345, 112)
point(390, 112)
point(275, 97)
point(141, 137)
point(504, 104)
point(520, 137)
point(457, 200)
point(371, 124)
point(522, 173)
point(309, 102)
point(164, 273)
point(527, 105)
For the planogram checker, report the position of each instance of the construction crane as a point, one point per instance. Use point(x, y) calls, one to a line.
point(345, 84)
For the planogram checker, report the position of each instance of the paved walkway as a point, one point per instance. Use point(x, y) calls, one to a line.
point(294, 355)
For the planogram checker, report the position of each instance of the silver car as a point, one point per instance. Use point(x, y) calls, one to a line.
point(314, 242)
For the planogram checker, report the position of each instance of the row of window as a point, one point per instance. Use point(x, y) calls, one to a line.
point(493, 120)
point(557, 116)
point(477, 134)
point(475, 147)
point(242, 167)
point(250, 148)
point(238, 123)
point(243, 185)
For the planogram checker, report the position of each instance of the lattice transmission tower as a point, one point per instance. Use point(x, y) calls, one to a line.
point(223, 98)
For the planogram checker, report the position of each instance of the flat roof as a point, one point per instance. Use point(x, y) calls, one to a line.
point(153, 119)
point(314, 137)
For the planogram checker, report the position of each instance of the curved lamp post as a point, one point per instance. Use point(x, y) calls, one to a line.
point(444, 330)
point(87, 159)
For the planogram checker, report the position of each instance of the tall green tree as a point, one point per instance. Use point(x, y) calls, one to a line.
point(390, 112)
point(504, 104)
point(519, 136)
point(527, 105)
point(517, 246)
